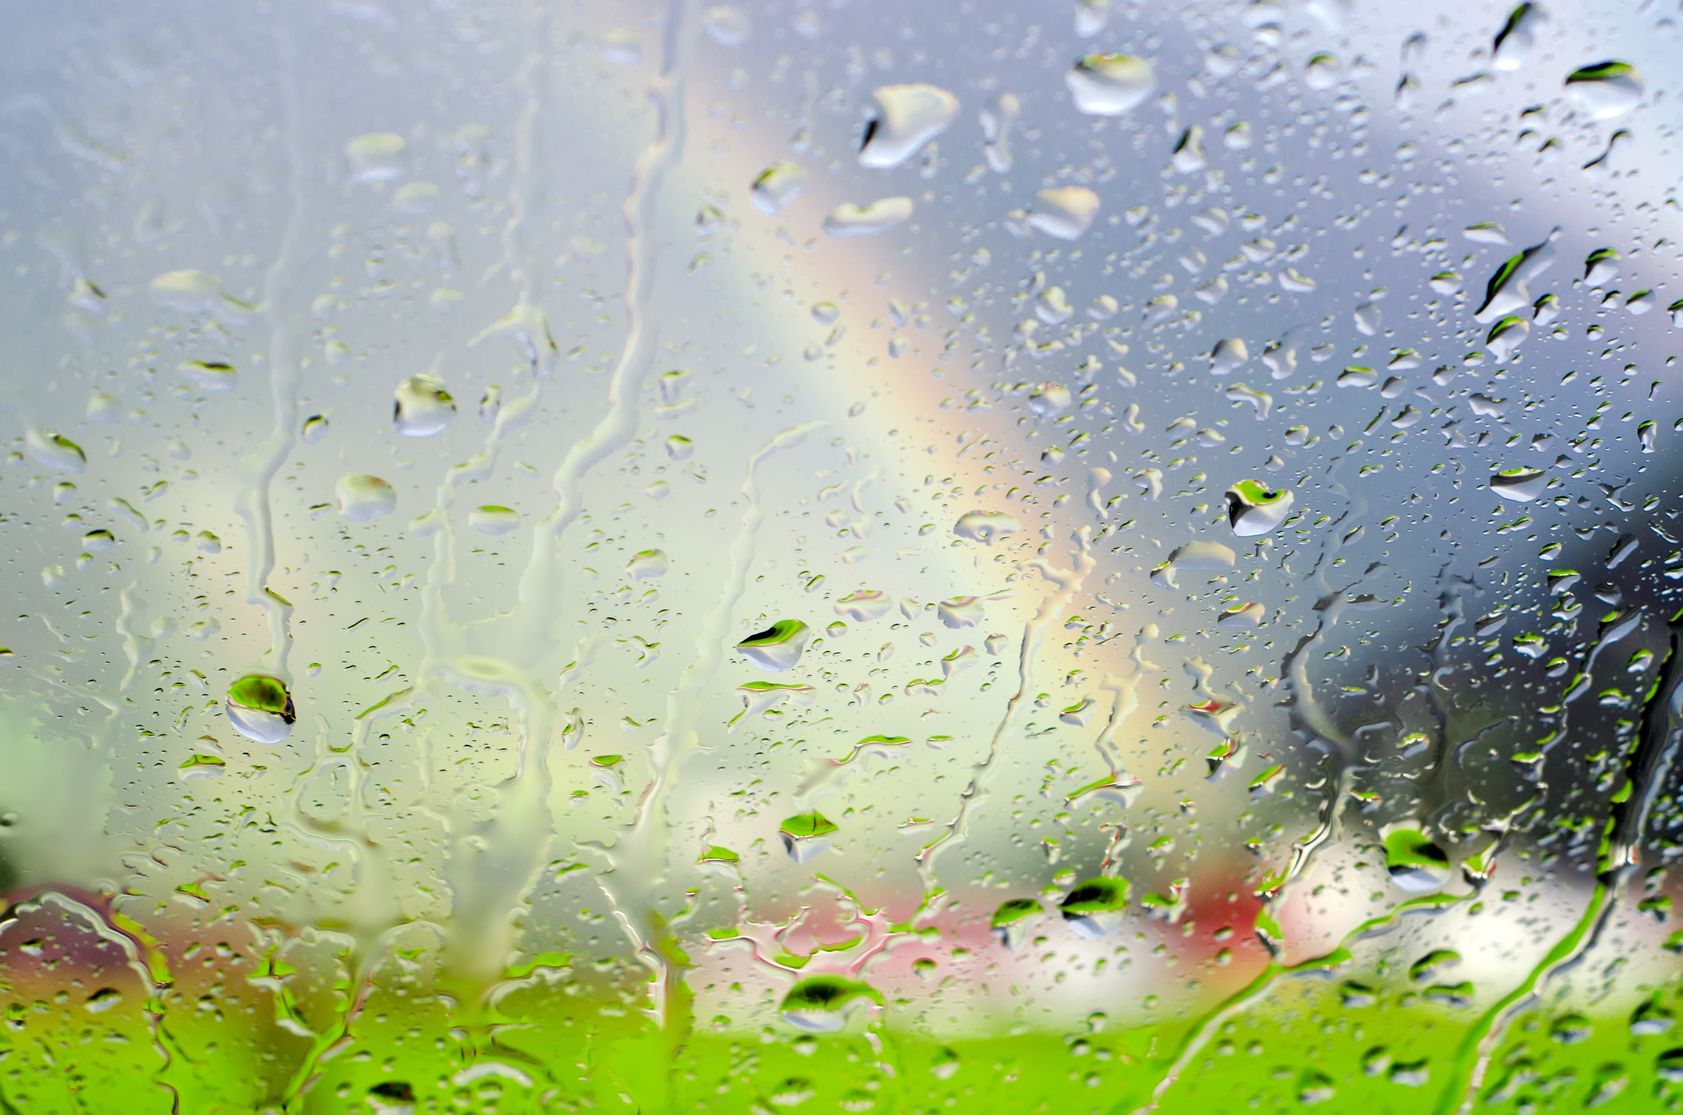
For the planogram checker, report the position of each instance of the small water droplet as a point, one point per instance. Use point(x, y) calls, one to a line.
point(777, 185)
point(876, 217)
point(984, 526)
point(375, 157)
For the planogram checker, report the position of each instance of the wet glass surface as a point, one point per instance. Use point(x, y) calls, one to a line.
point(621, 557)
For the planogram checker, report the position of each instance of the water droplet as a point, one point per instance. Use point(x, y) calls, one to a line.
point(820, 1004)
point(494, 519)
point(1606, 89)
point(422, 407)
point(997, 118)
point(1009, 920)
point(187, 290)
point(778, 185)
point(210, 375)
point(54, 451)
point(778, 647)
point(1110, 84)
point(1064, 212)
point(1254, 508)
point(1242, 616)
point(392, 1097)
point(961, 611)
point(645, 564)
point(260, 706)
point(1229, 355)
point(1601, 266)
point(728, 25)
point(1188, 156)
point(906, 117)
point(878, 216)
point(1091, 17)
point(1417, 865)
point(1520, 484)
point(1194, 557)
point(103, 1000)
point(1516, 38)
point(984, 526)
point(1096, 906)
point(1506, 335)
point(1321, 71)
point(864, 605)
point(375, 157)
point(363, 497)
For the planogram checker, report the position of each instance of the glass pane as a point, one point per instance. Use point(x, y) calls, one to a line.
point(1094, 556)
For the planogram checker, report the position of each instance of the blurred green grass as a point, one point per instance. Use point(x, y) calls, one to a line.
point(1300, 1049)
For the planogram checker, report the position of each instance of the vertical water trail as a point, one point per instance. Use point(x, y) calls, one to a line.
point(151, 966)
point(1199, 1035)
point(642, 855)
point(1067, 584)
point(493, 864)
point(1647, 766)
point(516, 842)
point(441, 572)
point(540, 585)
point(1124, 701)
point(256, 502)
point(1326, 735)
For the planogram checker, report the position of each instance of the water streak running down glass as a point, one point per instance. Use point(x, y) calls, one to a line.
point(1095, 556)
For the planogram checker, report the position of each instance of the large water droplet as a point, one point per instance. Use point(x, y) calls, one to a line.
point(1010, 918)
point(1064, 212)
point(803, 835)
point(1514, 41)
point(820, 1004)
point(906, 117)
point(1606, 89)
point(1254, 508)
point(363, 497)
point(494, 519)
point(1094, 907)
point(1110, 84)
point(54, 451)
point(1417, 865)
point(1229, 355)
point(1519, 484)
point(260, 706)
point(422, 407)
point(778, 647)
point(645, 564)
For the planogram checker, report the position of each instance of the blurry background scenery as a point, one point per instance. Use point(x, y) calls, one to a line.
point(641, 556)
